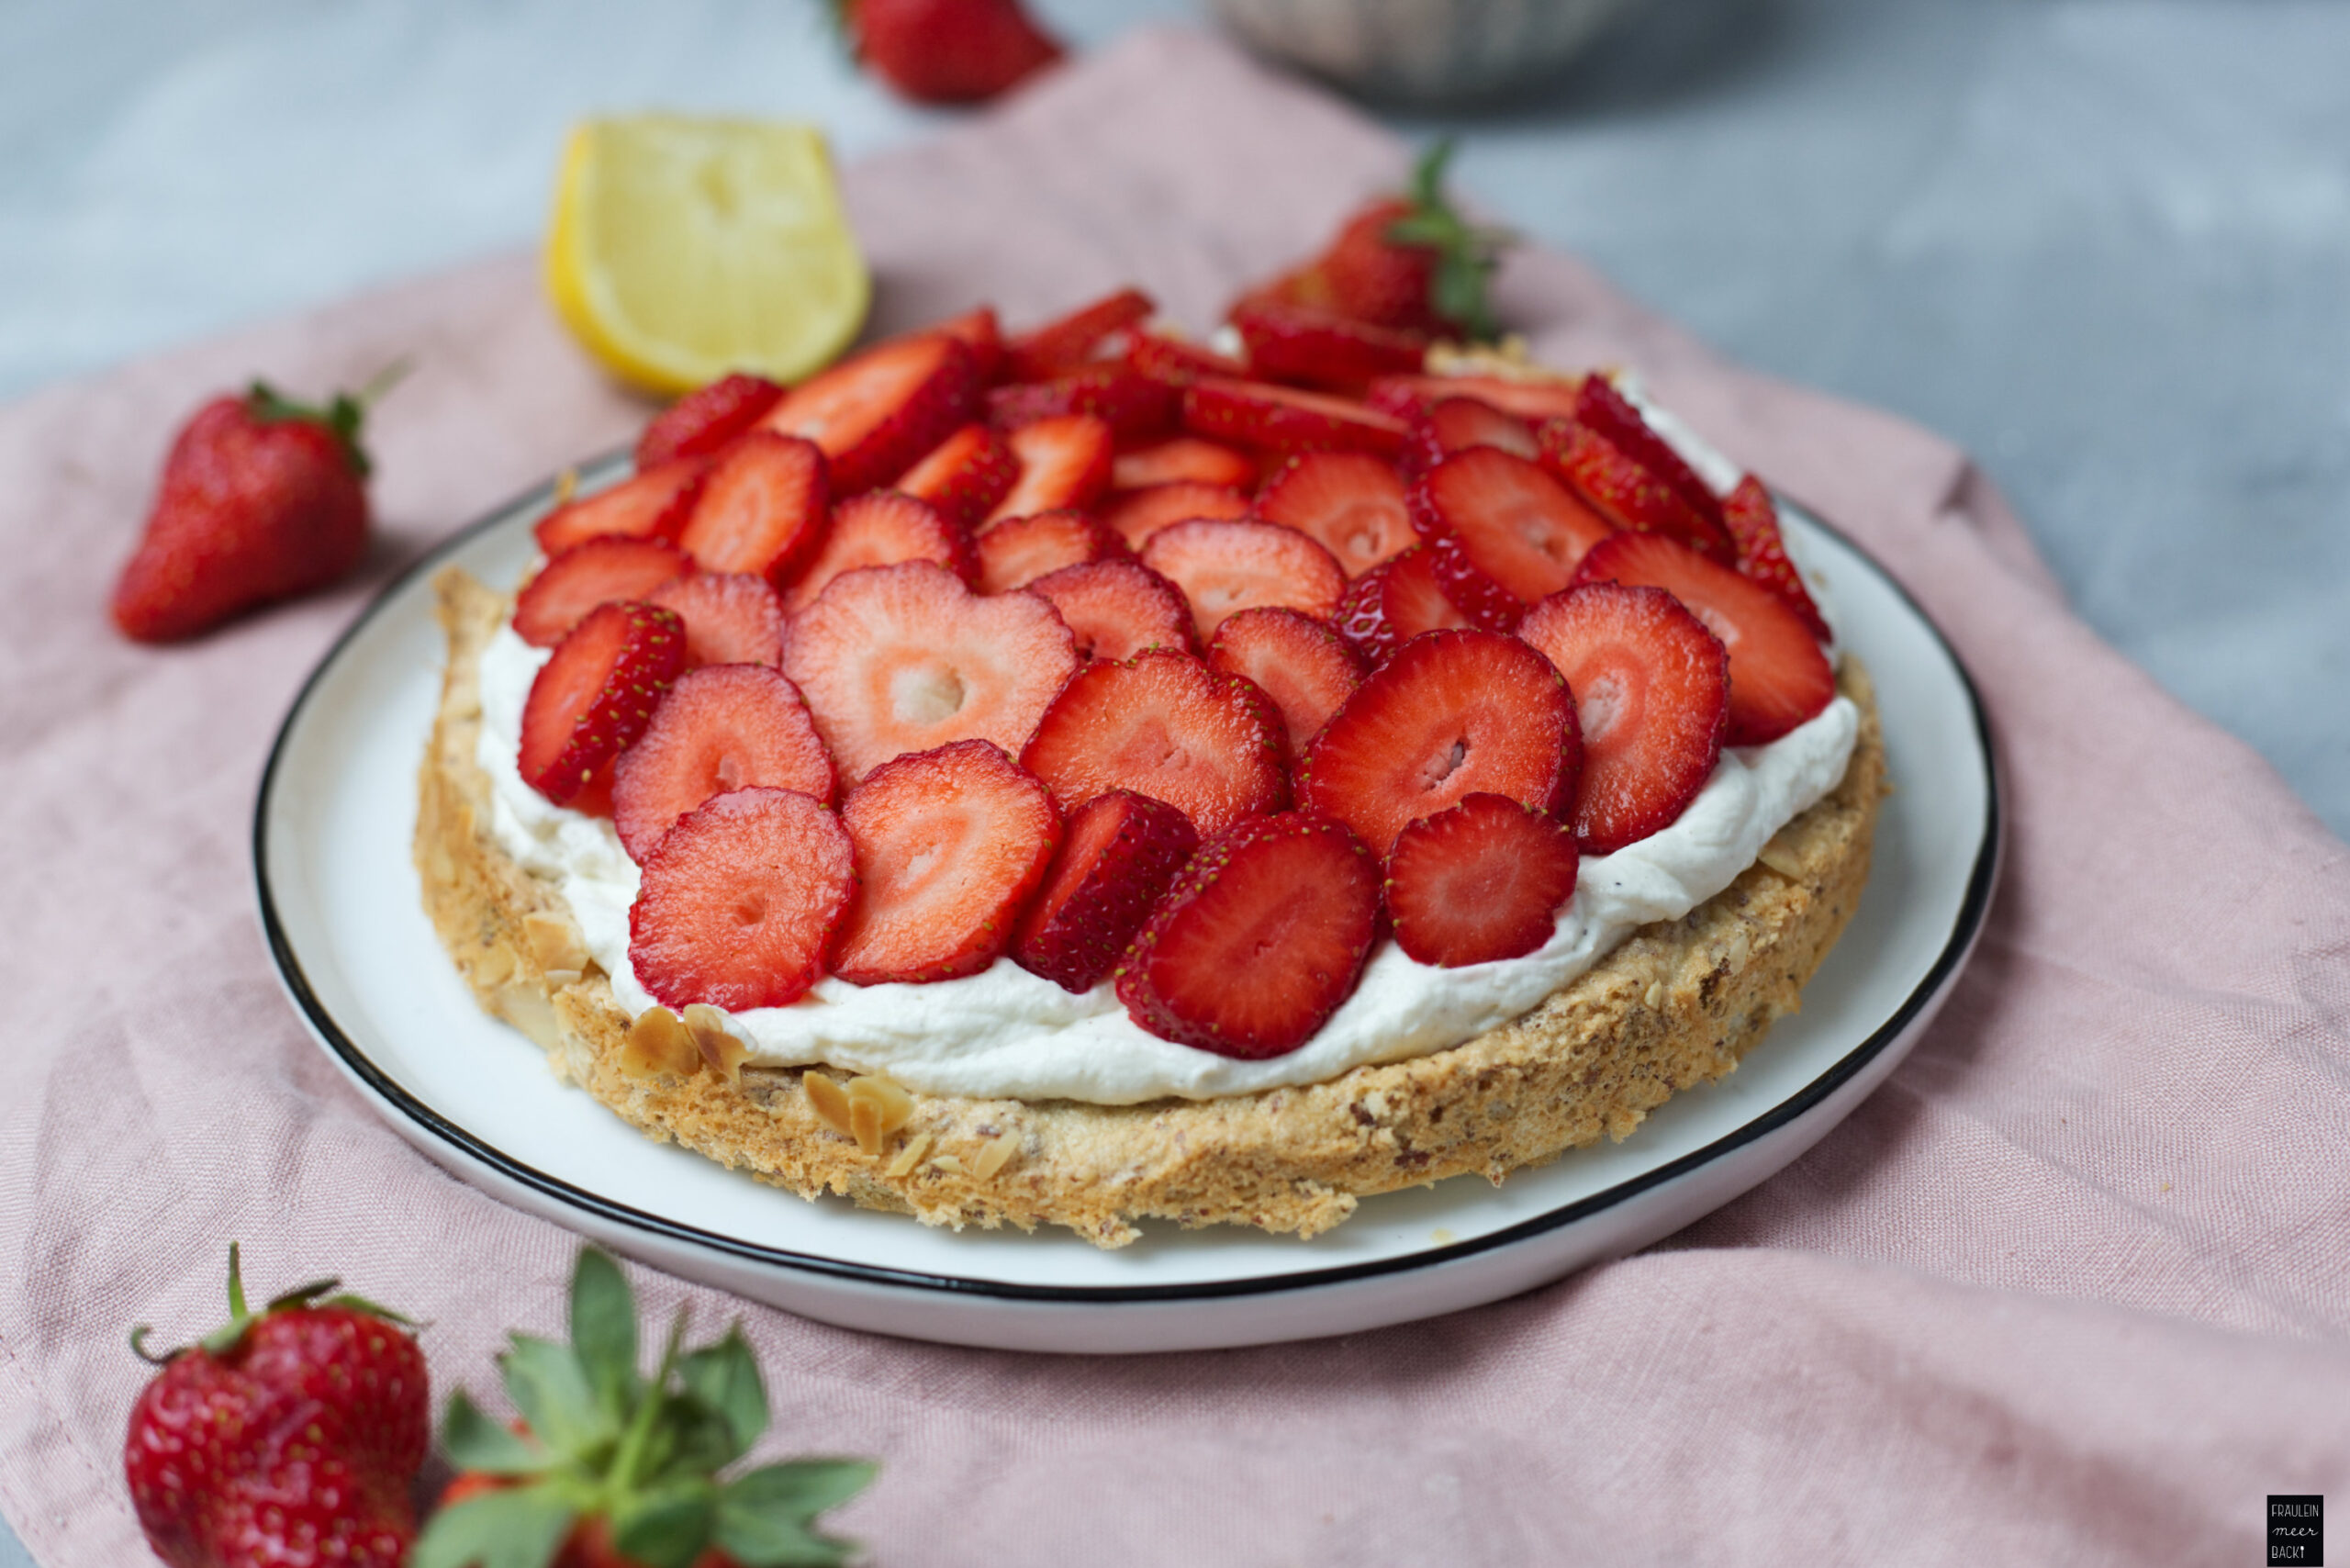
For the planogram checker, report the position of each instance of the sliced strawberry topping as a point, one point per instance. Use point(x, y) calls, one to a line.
point(722, 727)
point(1043, 352)
point(1176, 361)
point(1778, 677)
point(1486, 603)
point(1479, 882)
point(1456, 424)
point(1651, 690)
point(597, 572)
point(732, 618)
point(740, 901)
point(1064, 461)
point(1515, 523)
point(594, 696)
point(1351, 502)
point(950, 843)
point(1223, 566)
point(1118, 855)
point(1136, 516)
point(872, 416)
point(1452, 714)
point(965, 475)
point(903, 658)
point(701, 422)
point(1321, 348)
point(1409, 397)
point(1391, 604)
point(1305, 667)
point(980, 332)
point(1180, 458)
point(650, 505)
point(881, 528)
point(1116, 608)
point(1261, 938)
point(1135, 407)
point(1604, 411)
point(1626, 493)
point(1753, 521)
point(762, 510)
point(1165, 725)
point(1018, 551)
point(1261, 414)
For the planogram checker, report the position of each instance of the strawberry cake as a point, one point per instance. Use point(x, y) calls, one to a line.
point(1088, 777)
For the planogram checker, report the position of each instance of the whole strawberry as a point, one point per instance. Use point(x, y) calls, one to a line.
point(290, 1437)
point(262, 498)
point(947, 51)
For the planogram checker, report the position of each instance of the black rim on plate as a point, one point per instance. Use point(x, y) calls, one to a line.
point(1971, 910)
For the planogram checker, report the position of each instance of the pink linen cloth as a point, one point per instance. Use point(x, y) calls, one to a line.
point(2073, 1287)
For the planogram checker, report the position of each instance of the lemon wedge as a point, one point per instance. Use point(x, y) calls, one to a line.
point(685, 249)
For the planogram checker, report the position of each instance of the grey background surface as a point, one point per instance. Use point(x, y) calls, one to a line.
point(2104, 244)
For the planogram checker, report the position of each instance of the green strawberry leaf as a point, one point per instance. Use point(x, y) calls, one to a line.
point(724, 1378)
point(603, 1331)
point(550, 1387)
point(519, 1528)
point(474, 1442)
point(763, 1516)
point(665, 1526)
point(689, 1440)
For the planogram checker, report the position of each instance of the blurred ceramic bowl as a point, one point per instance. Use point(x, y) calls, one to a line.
point(1421, 51)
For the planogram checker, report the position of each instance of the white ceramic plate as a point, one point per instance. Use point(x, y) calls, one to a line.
point(341, 905)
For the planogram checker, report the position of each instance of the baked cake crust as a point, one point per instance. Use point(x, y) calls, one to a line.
point(1676, 1005)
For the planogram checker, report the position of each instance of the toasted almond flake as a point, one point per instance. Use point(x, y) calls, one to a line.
point(1655, 998)
point(829, 1103)
point(1780, 856)
point(865, 1124)
point(891, 1105)
point(495, 965)
point(994, 1158)
point(659, 1045)
point(527, 1008)
point(555, 941)
point(910, 1156)
point(947, 1163)
point(718, 1044)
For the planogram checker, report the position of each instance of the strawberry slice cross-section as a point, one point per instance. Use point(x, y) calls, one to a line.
point(1117, 607)
point(1163, 724)
point(1284, 419)
point(761, 510)
point(1754, 520)
point(1064, 461)
point(653, 504)
point(1482, 881)
point(732, 618)
point(719, 728)
point(881, 528)
point(1512, 521)
point(1225, 565)
point(1118, 853)
point(594, 696)
point(1301, 663)
point(872, 416)
point(964, 476)
point(597, 572)
point(703, 421)
point(1348, 502)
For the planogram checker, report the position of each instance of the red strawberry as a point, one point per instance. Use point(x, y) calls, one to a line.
point(978, 331)
point(1482, 881)
point(1118, 854)
point(1391, 604)
point(285, 1438)
point(880, 528)
point(1321, 348)
point(723, 727)
point(597, 572)
point(1409, 397)
point(1064, 461)
point(761, 510)
point(1179, 459)
point(1136, 516)
point(261, 500)
point(1350, 502)
point(896, 659)
point(1651, 690)
point(1176, 361)
point(1261, 938)
point(1305, 667)
point(732, 618)
point(701, 422)
point(1626, 493)
point(650, 504)
point(1223, 566)
point(1753, 521)
point(1018, 551)
point(1778, 677)
point(1452, 713)
point(950, 844)
point(594, 696)
point(1135, 407)
point(948, 51)
point(1606, 412)
point(1513, 521)
point(1067, 342)
point(1116, 608)
point(741, 901)
point(965, 475)
point(1162, 724)
point(1284, 419)
point(872, 416)
point(1455, 424)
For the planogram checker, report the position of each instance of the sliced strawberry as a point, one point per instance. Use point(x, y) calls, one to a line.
point(1165, 725)
point(701, 422)
point(1305, 667)
point(1626, 493)
point(741, 901)
point(732, 618)
point(1651, 690)
point(1261, 938)
point(1408, 397)
point(1452, 713)
point(1135, 407)
point(980, 332)
point(1487, 605)
point(1116, 608)
point(1136, 516)
point(1456, 424)
point(950, 844)
point(1018, 551)
point(903, 658)
point(597, 572)
point(1062, 345)
point(594, 696)
point(1118, 854)
point(1284, 419)
point(1320, 348)
point(1601, 409)
point(1350, 502)
point(719, 728)
point(762, 510)
point(1778, 677)
point(872, 416)
point(1482, 881)
point(1176, 361)
point(1753, 521)
point(653, 504)
point(1064, 461)
point(881, 528)
point(965, 475)
point(1391, 604)
point(1223, 565)
point(1513, 521)
point(1181, 458)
